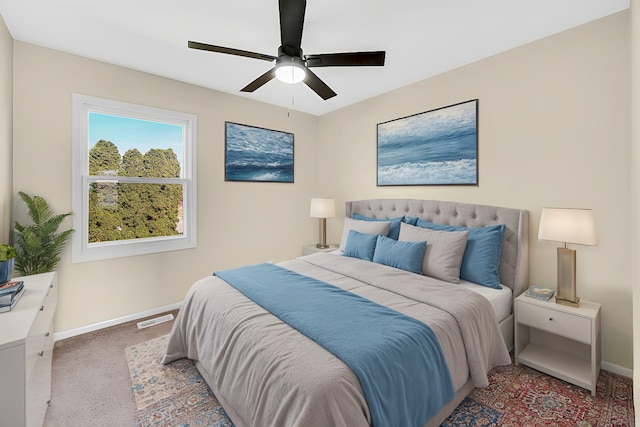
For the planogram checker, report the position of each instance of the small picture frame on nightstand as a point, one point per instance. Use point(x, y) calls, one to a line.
point(540, 292)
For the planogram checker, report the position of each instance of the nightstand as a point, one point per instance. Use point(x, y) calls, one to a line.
point(559, 340)
point(312, 249)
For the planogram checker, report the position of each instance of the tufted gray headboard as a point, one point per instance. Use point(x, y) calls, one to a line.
point(514, 262)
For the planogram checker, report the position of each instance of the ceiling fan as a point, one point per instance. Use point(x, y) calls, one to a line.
point(291, 65)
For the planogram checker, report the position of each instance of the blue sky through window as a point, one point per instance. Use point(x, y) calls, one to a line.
point(127, 133)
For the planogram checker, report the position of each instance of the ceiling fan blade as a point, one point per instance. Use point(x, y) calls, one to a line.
point(352, 59)
point(230, 51)
point(266, 77)
point(318, 86)
point(291, 23)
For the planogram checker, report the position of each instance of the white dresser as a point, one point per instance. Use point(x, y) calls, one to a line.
point(26, 347)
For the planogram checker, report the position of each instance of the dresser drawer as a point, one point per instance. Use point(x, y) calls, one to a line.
point(38, 387)
point(40, 338)
point(564, 324)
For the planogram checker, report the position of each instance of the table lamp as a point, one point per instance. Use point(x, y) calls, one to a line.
point(567, 225)
point(322, 209)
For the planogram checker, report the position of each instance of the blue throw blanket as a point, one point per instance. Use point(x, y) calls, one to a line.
point(397, 359)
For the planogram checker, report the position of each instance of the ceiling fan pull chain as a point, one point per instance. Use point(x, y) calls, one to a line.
point(293, 103)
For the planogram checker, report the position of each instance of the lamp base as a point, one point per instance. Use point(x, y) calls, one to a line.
point(568, 302)
point(322, 235)
point(566, 294)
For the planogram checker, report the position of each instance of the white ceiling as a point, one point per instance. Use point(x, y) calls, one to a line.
point(422, 38)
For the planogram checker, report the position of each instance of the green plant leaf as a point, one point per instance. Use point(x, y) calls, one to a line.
point(38, 245)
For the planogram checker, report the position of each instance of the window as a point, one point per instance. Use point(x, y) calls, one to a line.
point(133, 179)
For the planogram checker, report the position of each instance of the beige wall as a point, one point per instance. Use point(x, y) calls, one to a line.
point(238, 223)
point(554, 130)
point(6, 130)
point(635, 198)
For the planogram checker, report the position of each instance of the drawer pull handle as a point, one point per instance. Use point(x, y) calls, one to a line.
point(41, 353)
point(550, 319)
point(47, 334)
point(42, 308)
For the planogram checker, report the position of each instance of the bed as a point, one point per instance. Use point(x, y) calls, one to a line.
point(266, 373)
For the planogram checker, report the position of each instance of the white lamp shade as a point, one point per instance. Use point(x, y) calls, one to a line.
point(567, 225)
point(322, 208)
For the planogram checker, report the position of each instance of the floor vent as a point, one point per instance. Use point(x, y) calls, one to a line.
point(155, 321)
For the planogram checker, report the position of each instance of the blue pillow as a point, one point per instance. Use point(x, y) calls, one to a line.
point(360, 245)
point(404, 255)
point(394, 227)
point(411, 220)
point(481, 259)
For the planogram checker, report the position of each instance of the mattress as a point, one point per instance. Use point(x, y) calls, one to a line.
point(501, 299)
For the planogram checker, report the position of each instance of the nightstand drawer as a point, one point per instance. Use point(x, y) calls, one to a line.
point(570, 326)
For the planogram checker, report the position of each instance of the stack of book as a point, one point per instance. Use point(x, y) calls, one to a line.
point(10, 293)
point(539, 292)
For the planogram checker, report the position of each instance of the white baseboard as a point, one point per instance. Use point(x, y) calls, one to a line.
point(616, 369)
point(101, 325)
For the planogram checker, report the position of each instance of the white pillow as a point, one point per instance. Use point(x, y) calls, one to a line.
point(367, 227)
point(444, 253)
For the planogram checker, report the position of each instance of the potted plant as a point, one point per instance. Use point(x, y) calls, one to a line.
point(39, 245)
point(7, 258)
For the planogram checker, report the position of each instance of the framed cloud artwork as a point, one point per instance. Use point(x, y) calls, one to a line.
point(436, 147)
point(256, 154)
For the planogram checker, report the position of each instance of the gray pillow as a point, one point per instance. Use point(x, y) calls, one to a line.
point(444, 253)
point(366, 227)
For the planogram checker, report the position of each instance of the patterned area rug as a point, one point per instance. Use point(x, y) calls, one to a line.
point(170, 395)
point(517, 396)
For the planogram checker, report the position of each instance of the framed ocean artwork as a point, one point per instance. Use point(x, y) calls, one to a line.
point(437, 147)
point(256, 154)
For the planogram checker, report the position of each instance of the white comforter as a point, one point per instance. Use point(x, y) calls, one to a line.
point(265, 373)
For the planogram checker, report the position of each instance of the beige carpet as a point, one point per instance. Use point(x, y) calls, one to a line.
point(91, 386)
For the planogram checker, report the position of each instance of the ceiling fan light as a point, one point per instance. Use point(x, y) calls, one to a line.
point(291, 74)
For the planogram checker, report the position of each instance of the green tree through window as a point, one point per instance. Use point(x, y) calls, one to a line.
point(121, 211)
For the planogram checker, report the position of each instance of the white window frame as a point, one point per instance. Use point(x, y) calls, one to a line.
point(84, 251)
